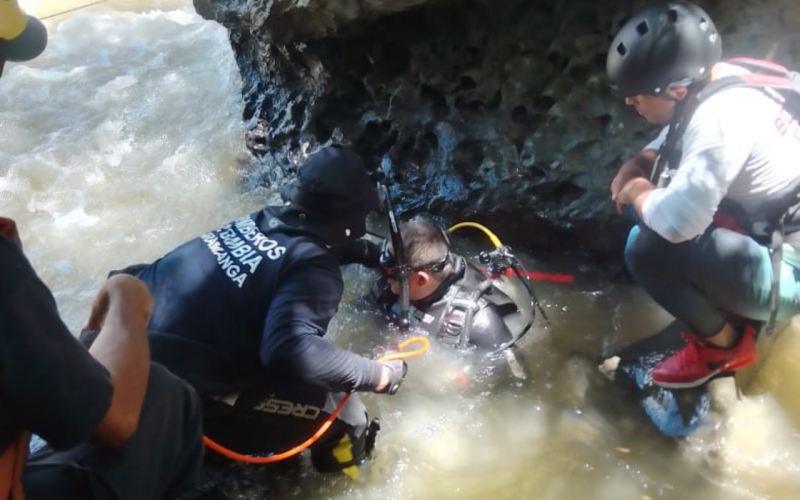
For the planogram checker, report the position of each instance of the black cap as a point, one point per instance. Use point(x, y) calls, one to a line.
point(670, 43)
point(332, 193)
point(26, 45)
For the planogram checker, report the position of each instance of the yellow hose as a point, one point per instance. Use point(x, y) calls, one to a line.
point(12, 20)
point(492, 237)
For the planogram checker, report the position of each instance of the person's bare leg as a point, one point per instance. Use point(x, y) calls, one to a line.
point(725, 338)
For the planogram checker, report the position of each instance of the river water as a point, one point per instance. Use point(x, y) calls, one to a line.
point(124, 140)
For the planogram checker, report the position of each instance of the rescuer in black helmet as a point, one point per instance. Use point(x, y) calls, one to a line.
point(712, 193)
point(672, 44)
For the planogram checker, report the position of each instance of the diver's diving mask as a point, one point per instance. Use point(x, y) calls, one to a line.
point(391, 270)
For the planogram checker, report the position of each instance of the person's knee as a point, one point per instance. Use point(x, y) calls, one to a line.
point(633, 249)
point(642, 249)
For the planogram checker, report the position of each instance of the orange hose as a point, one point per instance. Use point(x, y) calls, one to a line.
point(328, 422)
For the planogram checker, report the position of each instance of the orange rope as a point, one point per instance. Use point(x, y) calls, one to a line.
point(328, 422)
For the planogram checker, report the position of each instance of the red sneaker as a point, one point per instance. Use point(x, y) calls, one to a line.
point(696, 363)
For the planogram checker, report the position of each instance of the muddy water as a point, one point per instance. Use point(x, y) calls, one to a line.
point(124, 139)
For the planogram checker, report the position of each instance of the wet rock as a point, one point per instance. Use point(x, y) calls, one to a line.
point(280, 21)
point(609, 367)
point(487, 110)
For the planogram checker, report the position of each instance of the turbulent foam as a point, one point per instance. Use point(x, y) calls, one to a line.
point(753, 447)
point(121, 141)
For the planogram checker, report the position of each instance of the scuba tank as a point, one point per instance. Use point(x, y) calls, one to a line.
point(507, 274)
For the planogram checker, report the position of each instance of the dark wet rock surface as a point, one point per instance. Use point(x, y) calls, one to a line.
point(486, 110)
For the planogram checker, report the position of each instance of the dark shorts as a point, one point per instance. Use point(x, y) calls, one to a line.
point(277, 417)
point(160, 461)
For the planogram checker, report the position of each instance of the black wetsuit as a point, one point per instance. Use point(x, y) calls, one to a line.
point(445, 313)
point(240, 312)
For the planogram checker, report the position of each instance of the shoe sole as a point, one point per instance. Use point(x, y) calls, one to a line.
point(696, 383)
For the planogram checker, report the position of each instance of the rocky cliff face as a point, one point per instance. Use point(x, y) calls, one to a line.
point(488, 110)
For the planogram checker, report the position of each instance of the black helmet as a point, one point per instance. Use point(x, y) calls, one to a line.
point(667, 44)
point(331, 195)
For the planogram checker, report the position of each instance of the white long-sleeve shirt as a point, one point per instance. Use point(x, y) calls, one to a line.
point(739, 144)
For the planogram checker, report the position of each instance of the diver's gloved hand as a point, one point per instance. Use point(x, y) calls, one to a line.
point(365, 252)
point(396, 370)
point(360, 251)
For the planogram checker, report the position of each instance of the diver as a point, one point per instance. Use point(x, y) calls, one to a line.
point(449, 298)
